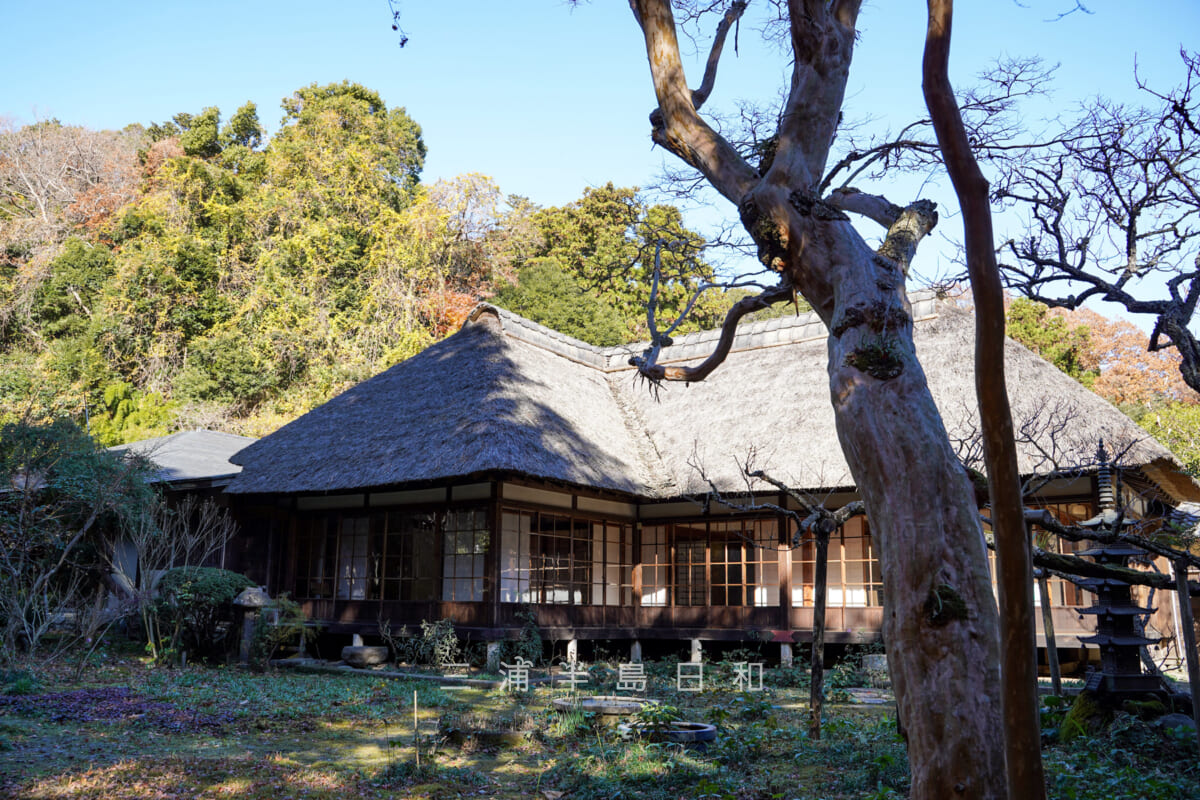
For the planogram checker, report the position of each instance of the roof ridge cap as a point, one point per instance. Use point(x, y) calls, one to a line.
point(526, 330)
point(925, 303)
point(658, 477)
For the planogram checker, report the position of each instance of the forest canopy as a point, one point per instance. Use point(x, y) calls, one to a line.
point(194, 272)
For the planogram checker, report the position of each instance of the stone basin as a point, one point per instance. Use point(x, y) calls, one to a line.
point(609, 709)
point(693, 735)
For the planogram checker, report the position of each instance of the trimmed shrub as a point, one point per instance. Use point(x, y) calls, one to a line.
point(194, 610)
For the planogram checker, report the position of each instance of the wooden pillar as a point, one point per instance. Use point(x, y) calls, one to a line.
point(1048, 630)
point(288, 580)
point(493, 558)
point(820, 591)
point(785, 577)
point(636, 600)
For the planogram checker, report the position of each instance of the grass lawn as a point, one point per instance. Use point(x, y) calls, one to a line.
point(129, 731)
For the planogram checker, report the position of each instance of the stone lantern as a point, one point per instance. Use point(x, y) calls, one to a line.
point(251, 601)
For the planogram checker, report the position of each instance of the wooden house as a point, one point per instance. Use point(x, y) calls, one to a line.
point(511, 467)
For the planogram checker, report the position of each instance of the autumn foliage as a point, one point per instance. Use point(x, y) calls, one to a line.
point(1111, 357)
point(197, 273)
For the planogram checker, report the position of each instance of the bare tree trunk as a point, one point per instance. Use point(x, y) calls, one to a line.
point(816, 695)
point(1048, 630)
point(939, 612)
point(1189, 640)
point(1022, 735)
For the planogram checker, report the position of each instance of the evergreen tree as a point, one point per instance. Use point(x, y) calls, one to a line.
point(551, 296)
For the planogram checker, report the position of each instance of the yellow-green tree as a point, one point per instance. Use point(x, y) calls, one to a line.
point(606, 240)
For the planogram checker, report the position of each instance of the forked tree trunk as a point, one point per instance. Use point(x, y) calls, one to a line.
point(940, 618)
point(939, 613)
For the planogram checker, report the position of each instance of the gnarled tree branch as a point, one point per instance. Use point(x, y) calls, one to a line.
point(656, 372)
point(731, 17)
point(906, 226)
point(683, 131)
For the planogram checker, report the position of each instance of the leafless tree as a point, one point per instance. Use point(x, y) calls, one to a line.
point(812, 516)
point(1112, 212)
point(54, 178)
point(189, 534)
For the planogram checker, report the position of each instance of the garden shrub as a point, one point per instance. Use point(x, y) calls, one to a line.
point(529, 641)
point(437, 645)
point(528, 644)
point(653, 719)
point(847, 672)
point(19, 682)
point(797, 676)
point(194, 611)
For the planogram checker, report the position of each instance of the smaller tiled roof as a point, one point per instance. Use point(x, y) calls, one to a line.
point(198, 455)
point(1187, 516)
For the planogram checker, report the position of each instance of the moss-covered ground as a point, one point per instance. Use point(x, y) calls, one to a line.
point(131, 731)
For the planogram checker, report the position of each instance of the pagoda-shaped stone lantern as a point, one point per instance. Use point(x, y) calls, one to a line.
point(1117, 636)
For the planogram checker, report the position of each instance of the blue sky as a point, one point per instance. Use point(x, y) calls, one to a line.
point(544, 98)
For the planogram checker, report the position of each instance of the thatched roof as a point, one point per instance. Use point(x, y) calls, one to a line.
point(506, 394)
point(186, 456)
point(501, 394)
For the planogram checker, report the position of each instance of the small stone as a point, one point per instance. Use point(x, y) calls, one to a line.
point(875, 661)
